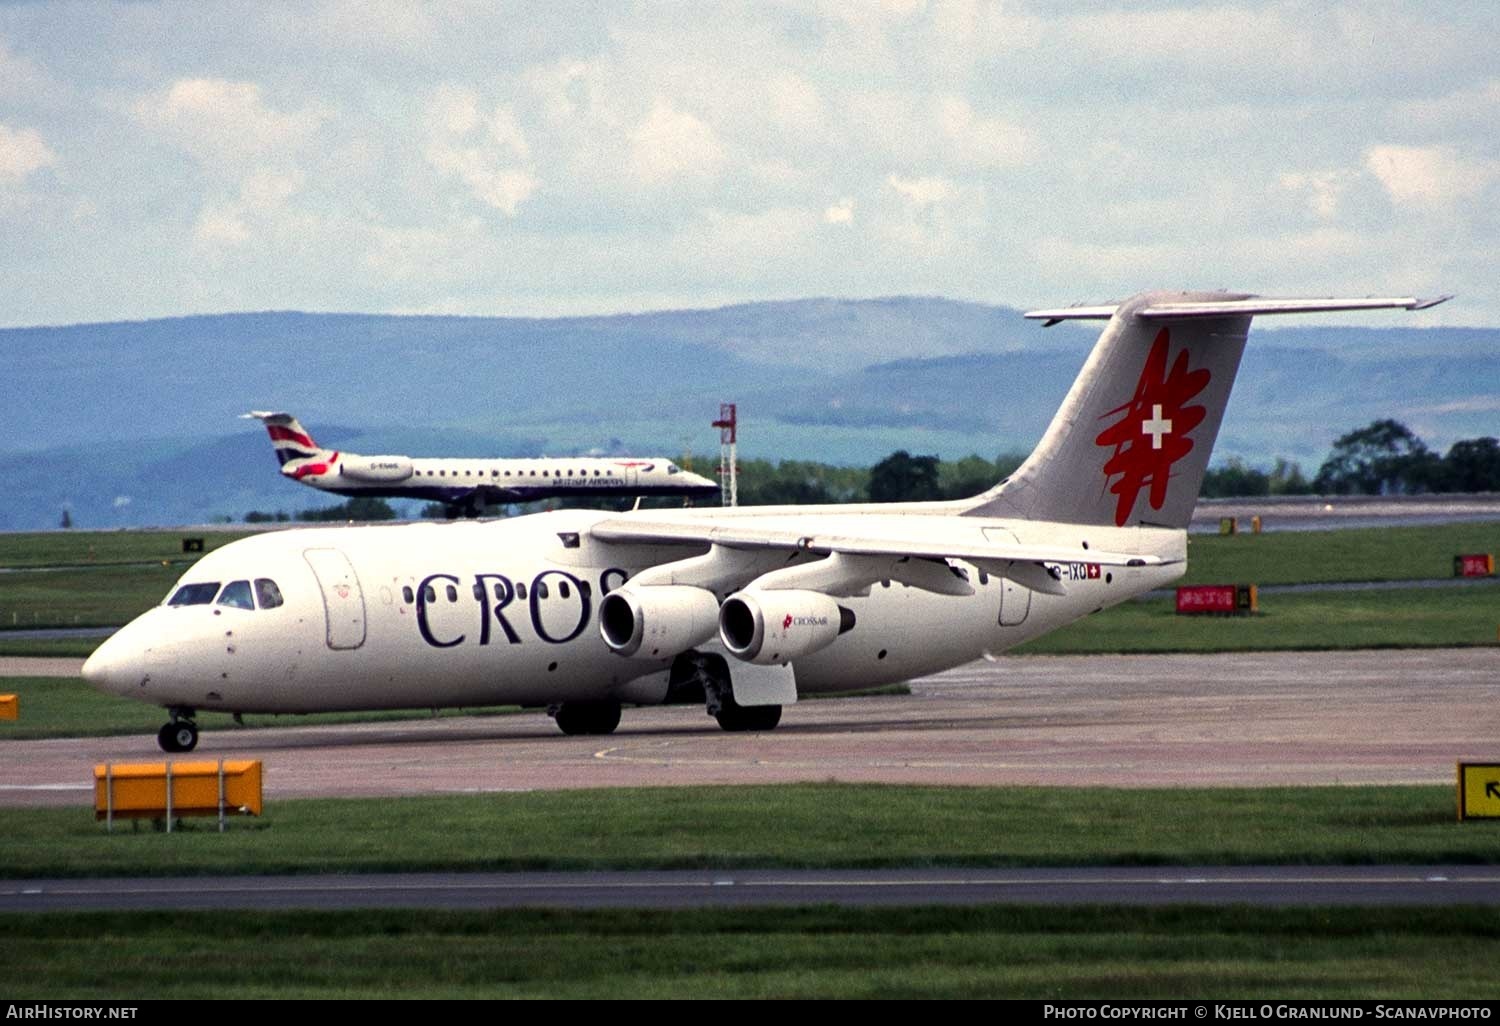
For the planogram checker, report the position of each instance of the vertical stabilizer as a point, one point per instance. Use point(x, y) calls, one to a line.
point(1131, 442)
point(293, 444)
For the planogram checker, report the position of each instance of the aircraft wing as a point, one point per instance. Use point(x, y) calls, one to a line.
point(895, 538)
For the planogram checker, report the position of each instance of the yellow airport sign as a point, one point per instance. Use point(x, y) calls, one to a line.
point(10, 707)
point(1478, 790)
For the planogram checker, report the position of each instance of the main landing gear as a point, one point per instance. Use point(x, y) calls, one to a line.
point(711, 673)
point(575, 718)
point(181, 735)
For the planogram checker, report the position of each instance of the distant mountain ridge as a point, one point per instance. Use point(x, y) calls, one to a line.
point(134, 423)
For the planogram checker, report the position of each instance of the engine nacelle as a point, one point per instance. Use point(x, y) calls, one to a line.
point(657, 621)
point(768, 627)
point(376, 469)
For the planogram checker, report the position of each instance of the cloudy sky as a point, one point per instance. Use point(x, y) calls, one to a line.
point(556, 157)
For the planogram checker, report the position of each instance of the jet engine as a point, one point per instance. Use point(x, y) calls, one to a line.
point(657, 621)
point(767, 627)
point(376, 469)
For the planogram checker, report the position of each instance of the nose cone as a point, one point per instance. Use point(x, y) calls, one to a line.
point(700, 483)
point(124, 664)
point(108, 667)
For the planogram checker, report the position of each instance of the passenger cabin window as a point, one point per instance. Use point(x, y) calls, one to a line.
point(520, 591)
point(238, 595)
point(267, 595)
point(194, 594)
point(562, 589)
point(541, 589)
point(406, 595)
point(429, 594)
point(452, 593)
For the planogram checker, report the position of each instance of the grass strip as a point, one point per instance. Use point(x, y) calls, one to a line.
point(985, 952)
point(101, 548)
point(802, 825)
point(1397, 618)
point(1351, 554)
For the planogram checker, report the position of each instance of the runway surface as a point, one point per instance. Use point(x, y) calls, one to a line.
point(1274, 885)
point(1358, 717)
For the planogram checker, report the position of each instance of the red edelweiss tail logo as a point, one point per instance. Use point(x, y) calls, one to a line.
point(787, 623)
point(1152, 432)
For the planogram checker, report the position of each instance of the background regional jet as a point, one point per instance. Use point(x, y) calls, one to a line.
point(469, 485)
point(741, 609)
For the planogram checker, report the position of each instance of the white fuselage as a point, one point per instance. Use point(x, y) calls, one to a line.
point(494, 481)
point(506, 612)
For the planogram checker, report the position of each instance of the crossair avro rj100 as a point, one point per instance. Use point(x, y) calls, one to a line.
point(744, 610)
point(470, 486)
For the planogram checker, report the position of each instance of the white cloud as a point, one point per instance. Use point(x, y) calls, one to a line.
point(1321, 190)
point(263, 197)
point(841, 212)
point(503, 188)
point(1430, 176)
point(981, 141)
point(219, 226)
point(489, 155)
point(22, 152)
point(454, 109)
point(226, 124)
point(671, 143)
point(923, 192)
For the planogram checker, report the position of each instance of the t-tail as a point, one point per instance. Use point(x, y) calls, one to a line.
point(1131, 443)
point(295, 449)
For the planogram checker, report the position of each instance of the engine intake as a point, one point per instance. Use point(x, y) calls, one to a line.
point(767, 627)
point(657, 621)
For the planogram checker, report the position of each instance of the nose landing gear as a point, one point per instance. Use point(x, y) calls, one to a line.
point(180, 735)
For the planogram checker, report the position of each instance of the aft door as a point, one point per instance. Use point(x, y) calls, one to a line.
point(343, 601)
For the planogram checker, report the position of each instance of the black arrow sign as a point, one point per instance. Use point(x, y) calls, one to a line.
point(1492, 789)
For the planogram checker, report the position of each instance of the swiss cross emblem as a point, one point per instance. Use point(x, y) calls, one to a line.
point(1151, 432)
point(1093, 571)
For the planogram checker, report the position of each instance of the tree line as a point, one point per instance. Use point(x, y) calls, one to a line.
point(1383, 458)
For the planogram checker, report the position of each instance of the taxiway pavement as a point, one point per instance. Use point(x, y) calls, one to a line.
point(1361, 717)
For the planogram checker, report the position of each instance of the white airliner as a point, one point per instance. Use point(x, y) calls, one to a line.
point(469, 485)
point(742, 609)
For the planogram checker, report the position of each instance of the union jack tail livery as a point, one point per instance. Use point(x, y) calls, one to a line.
point(290, 438)
point(1131, 442)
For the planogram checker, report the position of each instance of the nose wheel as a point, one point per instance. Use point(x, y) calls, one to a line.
point(181, 735)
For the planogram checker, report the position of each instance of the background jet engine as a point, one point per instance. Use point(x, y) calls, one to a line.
point(376, 469)
point(657, 621)
point(767, 627)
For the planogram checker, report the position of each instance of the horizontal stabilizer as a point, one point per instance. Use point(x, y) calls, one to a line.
point(1236, 307)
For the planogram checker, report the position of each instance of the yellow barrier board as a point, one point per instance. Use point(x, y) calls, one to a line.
point(10, 707)
point(1478, 790)
point(140, 790)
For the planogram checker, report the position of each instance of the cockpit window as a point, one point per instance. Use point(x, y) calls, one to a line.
point(267, 595)
point(194, 594)
point(672, 469)
point(237, 594)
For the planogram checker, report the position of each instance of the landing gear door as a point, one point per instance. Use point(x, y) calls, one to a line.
point(1015, 599)
point(343, 601)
